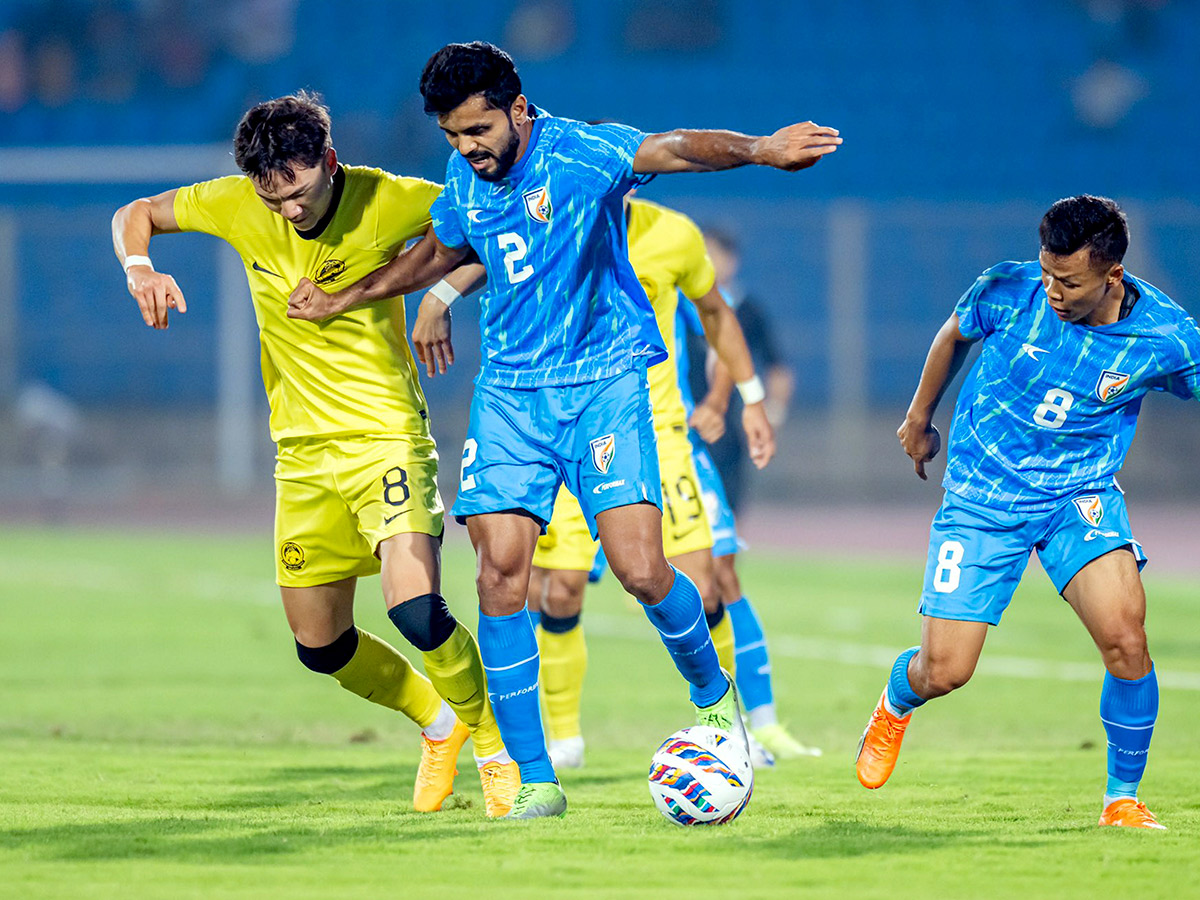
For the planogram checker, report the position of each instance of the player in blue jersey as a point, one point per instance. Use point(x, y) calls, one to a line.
point(567, 335)
point(753, 668)
point(1071, 345)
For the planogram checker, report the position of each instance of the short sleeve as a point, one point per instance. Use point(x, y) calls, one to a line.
point(1184, 381)
point(698, 275)
point(406, 211)
point(601, 156)
point(447, 220)
point(211, 206)
point(978, 310)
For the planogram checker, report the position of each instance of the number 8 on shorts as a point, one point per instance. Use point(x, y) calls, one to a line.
point(947, 573)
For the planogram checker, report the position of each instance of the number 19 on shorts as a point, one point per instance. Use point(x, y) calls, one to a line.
point(948, 573)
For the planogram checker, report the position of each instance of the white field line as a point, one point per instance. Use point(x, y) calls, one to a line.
point(878, 656)
point(262, 591)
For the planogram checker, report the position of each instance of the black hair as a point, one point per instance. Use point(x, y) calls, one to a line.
point(277, 134)
point(1086, 221)
point(460, 71)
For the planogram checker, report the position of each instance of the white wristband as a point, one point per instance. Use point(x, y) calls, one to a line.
point(445, 292)
point(138, 261)
point(752, 390)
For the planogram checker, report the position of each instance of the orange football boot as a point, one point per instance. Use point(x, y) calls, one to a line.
point(435, 774)
point(880, 746)
point(500, 782)
point(1130, 813)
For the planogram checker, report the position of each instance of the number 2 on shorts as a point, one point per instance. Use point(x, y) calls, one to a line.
point(465, 481)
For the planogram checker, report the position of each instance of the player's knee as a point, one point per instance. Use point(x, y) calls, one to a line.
point(644, 582)
point(563, 597)
point(1124, 650)
point(502, 589)
point(331, 657)
point(942, 676)
point(728, 586)
point(425, 621)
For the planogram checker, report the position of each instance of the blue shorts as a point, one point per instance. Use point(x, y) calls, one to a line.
point(522, 444)
point(977, 554)
point(726, 541)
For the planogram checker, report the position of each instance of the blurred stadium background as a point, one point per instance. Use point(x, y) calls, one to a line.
point(963, 122)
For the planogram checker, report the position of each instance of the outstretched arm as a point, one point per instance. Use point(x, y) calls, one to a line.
point(419, 266)
point(132, 227)
point(724, 335)
point(918, 437)
point(791, 148)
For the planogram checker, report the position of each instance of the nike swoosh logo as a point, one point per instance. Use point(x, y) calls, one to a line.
point(387, 520)
point(257, 268)
point(466, 699)
point(474, 214)
point(680, 535)
point(1032, 351)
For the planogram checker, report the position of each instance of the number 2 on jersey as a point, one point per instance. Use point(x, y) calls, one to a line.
point(516, 249)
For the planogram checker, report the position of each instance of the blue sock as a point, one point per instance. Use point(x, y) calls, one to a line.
point(510, 658)
point(535, 618)
point(900, 695)
point(679, 618)
point(599, 565)
point(750, 649)
point(1128, 710)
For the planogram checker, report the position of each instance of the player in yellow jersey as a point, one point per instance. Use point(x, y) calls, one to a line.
point(356, 469)
point(668, 255)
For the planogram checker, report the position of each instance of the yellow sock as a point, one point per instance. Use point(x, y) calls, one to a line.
point(564, 663)
point(722, 638)
point(379, 673)
point(456, 670)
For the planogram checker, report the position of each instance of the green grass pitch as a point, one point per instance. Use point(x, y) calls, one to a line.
point(158, 738)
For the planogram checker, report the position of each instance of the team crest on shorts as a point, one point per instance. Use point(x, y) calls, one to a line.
point(1090, 509)
point(1110, 384)
point(603, 451)
point(537, 204)
point(291, 555)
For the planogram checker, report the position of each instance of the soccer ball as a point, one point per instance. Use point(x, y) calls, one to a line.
point(701, 776)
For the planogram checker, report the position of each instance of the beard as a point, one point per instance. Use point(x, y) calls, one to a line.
point(504, 160)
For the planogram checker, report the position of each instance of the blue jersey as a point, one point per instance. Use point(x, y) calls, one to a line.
point(687, 323)
point(563, 304)
point(1050, 407)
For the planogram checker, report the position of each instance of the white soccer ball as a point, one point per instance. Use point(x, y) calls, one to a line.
point(701, 776)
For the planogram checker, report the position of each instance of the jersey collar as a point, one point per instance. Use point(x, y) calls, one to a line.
point(518, 169)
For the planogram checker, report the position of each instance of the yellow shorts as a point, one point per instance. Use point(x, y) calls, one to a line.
point(567, 543)
point(336, 499)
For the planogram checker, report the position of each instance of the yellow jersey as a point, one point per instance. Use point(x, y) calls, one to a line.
point(667, 252)
point(352, 373)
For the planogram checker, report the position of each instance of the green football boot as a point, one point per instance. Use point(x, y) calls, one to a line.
point(726, 714)
point(538, 800)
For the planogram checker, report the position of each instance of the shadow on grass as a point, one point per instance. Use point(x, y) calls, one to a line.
point(223, 840)
point(842, 838)
point(292, 785)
